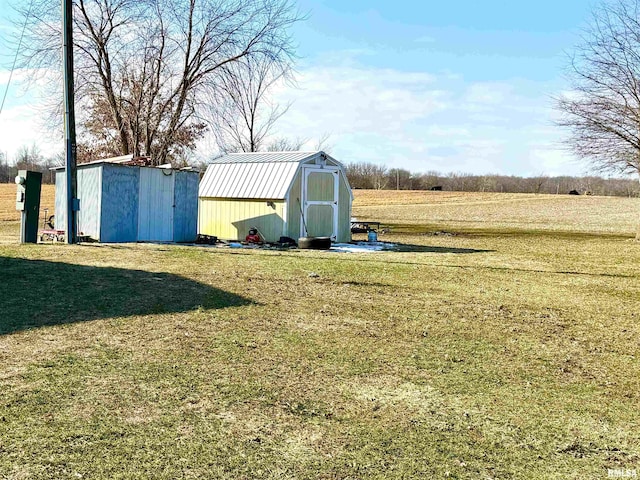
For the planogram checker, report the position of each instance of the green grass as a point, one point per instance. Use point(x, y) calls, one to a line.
point(493, 353)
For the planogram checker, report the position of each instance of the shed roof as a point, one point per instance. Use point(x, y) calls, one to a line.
point(264, 175)
point(261, 157)
point(125, 161)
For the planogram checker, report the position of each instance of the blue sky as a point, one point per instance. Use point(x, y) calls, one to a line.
point(462, 86)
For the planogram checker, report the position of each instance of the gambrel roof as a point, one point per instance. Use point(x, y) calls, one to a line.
point(260, 175)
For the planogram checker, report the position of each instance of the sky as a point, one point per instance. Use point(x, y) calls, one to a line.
point(457, 86)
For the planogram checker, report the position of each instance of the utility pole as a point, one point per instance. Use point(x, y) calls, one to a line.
point(69, 122)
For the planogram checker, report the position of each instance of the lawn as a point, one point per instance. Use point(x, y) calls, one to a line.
point(495, 344)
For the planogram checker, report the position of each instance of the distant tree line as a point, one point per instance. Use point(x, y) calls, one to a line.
point(29, 158)
point(372, 176)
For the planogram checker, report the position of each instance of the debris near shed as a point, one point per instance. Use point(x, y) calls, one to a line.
point(206, 239)
point(139, 162)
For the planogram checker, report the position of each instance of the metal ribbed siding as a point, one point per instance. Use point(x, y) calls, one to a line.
point(111, 205)
point(156, 205)
point(261, 157)
point(119, 218)
point(186, 207)
point(60, 204)
point(231, 219)
point(90, 196)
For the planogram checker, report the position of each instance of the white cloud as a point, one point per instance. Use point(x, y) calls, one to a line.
point(415, 120)
point(350, 100)
point(552, 160)
point(482, 94)
point(422, 121)
point(20, 126)
point(21, 119)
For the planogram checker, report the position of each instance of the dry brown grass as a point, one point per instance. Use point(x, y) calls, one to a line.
point(8, 210)
point(508, 212)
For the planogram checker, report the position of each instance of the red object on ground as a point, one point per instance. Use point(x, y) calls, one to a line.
point(253, 238)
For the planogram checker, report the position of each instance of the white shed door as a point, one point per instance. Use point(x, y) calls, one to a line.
point(155, 215)
point(320, 203)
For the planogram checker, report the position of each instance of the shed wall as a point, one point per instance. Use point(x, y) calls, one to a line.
point(344, 212)
point(186, 207)
point(294, 219)
point(156, 206)
point(89, 193)
point(119, 219)
point(60, 211)
point(231, 219)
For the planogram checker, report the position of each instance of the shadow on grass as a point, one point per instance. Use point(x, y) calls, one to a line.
point(36, 293)
point(405, 247)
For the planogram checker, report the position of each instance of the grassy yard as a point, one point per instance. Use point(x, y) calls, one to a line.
point(496, 344)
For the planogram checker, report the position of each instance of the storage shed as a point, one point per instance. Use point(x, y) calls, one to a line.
point(130, 203)
point(290, 194)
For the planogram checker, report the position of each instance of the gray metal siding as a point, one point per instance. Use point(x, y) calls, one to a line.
point(60, 207)
point(119, 213)
point(89, 193)
point(110, 206)
point(185, 215)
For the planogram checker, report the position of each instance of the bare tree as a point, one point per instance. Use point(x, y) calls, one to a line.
point(243, 114)
point(323, 143)
point(367, 175)
point(400, 179)
point(284, 144)
point(143, 66)
point(603, 111)
point(28, 157)
point(536, 183)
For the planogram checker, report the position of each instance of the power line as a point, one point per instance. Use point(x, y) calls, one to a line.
point(15, 58)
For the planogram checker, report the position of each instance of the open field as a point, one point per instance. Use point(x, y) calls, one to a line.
point(8, 210)
point(507, 212)
point(507, 348)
